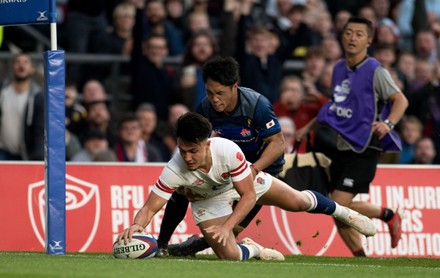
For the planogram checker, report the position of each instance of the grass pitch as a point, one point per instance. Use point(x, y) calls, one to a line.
point(20, 264)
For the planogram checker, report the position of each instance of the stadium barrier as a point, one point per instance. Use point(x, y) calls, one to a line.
point(102, 199)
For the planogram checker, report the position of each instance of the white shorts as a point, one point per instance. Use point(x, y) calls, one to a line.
point(220, 205)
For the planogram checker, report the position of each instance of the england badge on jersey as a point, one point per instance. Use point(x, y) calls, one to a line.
point(270, 124)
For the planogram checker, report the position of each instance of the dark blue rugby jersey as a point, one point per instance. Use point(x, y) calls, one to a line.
point(252, 120)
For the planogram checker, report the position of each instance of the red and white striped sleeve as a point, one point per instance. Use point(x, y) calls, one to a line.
point(237, 161)
point(161, 189)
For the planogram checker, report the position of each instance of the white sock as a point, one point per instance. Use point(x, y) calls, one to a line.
point(340, 211)
point(248, 251)
point(312, 198)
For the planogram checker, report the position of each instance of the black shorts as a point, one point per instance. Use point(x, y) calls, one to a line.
point(353, 172)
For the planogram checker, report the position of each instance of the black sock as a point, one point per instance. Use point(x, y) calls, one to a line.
point(174, 213)
point(199, 245)
point(387, 214)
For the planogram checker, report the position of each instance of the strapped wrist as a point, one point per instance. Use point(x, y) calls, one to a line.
point(389, 123)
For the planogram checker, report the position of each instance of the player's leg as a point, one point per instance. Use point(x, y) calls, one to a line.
point(174, 213)
point(231, 251)
point(215, 212)
point(350, 236)
point(245, 250)
point(283, 196)
point(391, 217)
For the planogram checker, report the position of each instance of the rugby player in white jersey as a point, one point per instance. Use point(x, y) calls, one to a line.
point(212, 172)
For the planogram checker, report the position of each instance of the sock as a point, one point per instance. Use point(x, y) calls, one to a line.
point(386, 214)
point(199, 245)
point(359, 253)
point(174, 213)
point(320, 203)
point(248, 251)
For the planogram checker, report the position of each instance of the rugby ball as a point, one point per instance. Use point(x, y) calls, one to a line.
point(142, 246)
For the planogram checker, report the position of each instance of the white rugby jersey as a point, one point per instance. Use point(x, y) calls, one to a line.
point(228, 165)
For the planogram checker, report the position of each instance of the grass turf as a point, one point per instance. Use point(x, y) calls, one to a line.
point(21, 264)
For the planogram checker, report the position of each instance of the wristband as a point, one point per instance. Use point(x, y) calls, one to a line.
point(389, 123)
point(255, 168)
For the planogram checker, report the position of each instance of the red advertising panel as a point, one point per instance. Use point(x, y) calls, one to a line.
point(102, 199)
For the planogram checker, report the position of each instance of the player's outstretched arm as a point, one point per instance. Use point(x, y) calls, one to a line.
point(153, 204)
point(247, 201)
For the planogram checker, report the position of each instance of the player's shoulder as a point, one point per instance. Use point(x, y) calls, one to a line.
point(222, 146)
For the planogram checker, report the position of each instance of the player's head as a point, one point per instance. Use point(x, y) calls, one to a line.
point(224, 70)
point(193, 131)
point(357, 35)
point(221, 76)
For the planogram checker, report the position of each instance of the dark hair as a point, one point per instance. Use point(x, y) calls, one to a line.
point(193, 128)
point(361, 20)
point(127, 118)
point(224, 70)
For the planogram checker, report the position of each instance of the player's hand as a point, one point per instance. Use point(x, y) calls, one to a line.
point(220, 233)
point(127, 234)
point(380, 129)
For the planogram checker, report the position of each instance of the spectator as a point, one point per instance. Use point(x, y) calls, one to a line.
point(21, 113)
point(99, 118)
point(130, 146)
point(105, 156)
point(200, 48)
point(117, 40)
point(76, 114)
point(85, 21)
point(426, 46)
point(324, 85)
point(146, 114)
point(296, 39)
point(387, 33)
point(93, 90)
point(331, 49)
point(411, 132)
point(425, 105)
point(176, 14)
point(425, 151)
point(73, 146)
point(197, 21)
point(322, 27)
point(341, 19)
point(293, 104)
point(406, 65)
point(94, 141)
point(167, 132)
point(381, 8)
point(156, 23)
point(278, 11)
point(314, 63)
point(260, 66)
point(288, 130)
point(151, 80)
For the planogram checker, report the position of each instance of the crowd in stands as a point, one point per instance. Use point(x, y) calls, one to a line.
point(260, 34)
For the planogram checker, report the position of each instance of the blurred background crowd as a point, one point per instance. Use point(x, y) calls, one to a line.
point(134, 66)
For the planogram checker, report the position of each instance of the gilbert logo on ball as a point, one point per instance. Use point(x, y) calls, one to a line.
point(142, 246)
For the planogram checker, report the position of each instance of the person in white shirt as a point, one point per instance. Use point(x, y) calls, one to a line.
point(212, 172)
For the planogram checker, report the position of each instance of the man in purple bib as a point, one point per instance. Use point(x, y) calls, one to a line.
point(365, 106)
